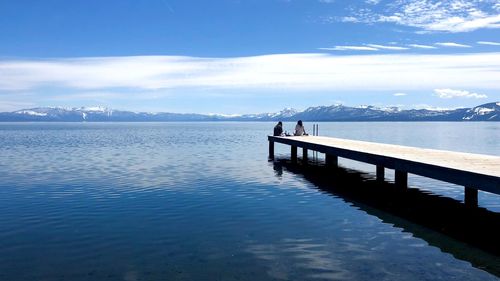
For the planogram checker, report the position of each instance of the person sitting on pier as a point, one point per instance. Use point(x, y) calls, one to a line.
point(278, 129)
point(299, 129)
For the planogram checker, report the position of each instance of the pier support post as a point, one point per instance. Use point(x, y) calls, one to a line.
point(271, 149)
point(380, 173)
point(304, 155)
point(332, 160)
point(401, 179)
point(294, 154)
point(470, 197)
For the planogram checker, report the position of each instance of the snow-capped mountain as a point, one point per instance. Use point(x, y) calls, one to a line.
point(285, 113)
point(96, 114)
point(371, 113)
point(62, 114)
point(485, 112)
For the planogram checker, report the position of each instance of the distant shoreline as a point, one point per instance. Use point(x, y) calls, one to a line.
point(334, 113)
point(262, 121)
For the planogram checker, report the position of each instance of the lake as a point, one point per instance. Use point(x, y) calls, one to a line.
point(201, 201)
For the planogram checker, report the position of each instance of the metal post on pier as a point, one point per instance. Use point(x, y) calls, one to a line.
point(315, 133)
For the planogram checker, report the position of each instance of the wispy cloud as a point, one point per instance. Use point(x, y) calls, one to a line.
point(350, 48)
point(365, 47)
point(433, 15)
point(399, 94)
point(488, 43)
point(385, 47)
point(303, 72)
point(349, 19)
point(7, 105)
point(450, 93)
point(451, 44)
point(419, 46)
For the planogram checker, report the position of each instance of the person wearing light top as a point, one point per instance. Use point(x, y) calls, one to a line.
point(299, 129)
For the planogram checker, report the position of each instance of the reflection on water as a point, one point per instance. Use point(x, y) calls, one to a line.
point(192, 201)
point(288, 255)
point(413, 210)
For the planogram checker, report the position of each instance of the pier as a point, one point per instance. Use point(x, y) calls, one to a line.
point(472, 171)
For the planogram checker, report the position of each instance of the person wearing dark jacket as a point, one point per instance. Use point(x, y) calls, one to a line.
point(278, 129)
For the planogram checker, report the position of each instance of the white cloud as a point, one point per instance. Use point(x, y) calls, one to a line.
point(418, 46)
point(399, 94)
point(450, 93)
point(350, 48)
point(372, 2)
point(303, 72)
point(350, 19)
point(451, 44)
point(436, 15)
point(396, 48)
point(488, 43)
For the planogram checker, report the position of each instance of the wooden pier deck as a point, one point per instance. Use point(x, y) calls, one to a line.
point(473, 171)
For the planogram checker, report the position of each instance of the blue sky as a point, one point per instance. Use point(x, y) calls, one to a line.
point(248, 56)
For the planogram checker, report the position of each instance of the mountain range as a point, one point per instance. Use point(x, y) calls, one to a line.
point(484, 112)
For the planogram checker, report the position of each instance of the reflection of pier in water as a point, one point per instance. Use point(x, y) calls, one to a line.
point(469, 234)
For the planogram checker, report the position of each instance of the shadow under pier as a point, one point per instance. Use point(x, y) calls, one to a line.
point(469, 234)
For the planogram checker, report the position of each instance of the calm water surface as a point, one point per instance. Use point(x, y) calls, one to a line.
point(200, 201)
